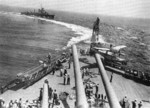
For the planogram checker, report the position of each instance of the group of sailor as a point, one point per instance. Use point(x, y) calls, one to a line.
point(126, 104)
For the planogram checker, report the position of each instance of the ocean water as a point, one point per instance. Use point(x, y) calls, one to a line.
point(25, 40)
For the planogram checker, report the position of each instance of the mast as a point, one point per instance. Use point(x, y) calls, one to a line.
point(95, 31)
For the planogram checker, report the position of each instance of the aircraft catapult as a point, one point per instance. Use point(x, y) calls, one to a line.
point(114, 58)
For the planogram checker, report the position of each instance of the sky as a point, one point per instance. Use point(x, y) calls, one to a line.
point(124, 8)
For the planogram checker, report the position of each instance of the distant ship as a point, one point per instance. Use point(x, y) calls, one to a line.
point(41, 13)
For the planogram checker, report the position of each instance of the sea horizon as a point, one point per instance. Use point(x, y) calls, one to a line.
point(137, 22)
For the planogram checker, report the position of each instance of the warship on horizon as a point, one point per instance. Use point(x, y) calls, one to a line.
point(41, 13)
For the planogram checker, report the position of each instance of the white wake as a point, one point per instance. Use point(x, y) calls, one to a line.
point(83, 34)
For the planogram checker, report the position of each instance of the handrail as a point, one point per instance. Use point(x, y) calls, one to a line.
point(50, 66)
point(81, 101)
point(45, 103)
point(112, 98)
point(30, 71)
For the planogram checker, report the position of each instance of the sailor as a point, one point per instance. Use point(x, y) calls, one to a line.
point(134, 104)
point(126, 103)
point(123, 102)
point(102, 96)
point(87, 70)
point(53, 70)
point(88, 91)
point(41, 92)
point(50, 93)
point(68, 79)
point(11, 104)
point(105, 97)
point(86, 87)
point(46, 81)
point(69, 62)
point(91, 89)
point(83, 74)
point(102, 104)
point(111, 46)
point(84, 71)
point(96, 99)
point(111, 77)
point(54, 98)
point(99, 97)
point(2, 103)
point(20, 103)
point(49, 57)
point(65, 71)
point(64, 79)
point(96, 89)
point(59, 64)
point(140, 104)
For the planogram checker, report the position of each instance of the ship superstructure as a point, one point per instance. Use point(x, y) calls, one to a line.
point(40, 13)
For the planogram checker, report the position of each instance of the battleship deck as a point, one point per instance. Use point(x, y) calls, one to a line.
point(121, 85)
